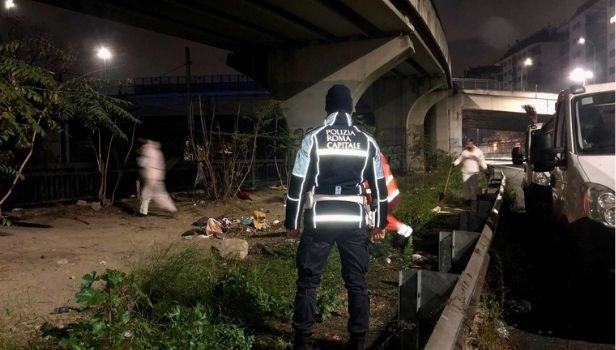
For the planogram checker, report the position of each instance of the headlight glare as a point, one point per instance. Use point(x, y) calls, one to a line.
point(598, 203)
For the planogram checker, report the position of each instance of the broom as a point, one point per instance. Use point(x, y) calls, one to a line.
point(442, 197)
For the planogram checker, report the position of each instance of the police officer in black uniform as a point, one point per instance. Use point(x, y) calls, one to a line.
point(334, 161)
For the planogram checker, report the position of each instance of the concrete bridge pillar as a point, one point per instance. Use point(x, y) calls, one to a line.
point(415, 120)
point(301, 77)
point(390, 100)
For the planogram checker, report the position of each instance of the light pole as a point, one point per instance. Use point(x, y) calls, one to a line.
point(8, 5)
point(527, 63)
point(104, 54)
point(582, 41)
point(580, 75)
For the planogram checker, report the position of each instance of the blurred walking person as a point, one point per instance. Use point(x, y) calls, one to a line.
point(152, 170)
point(472, 160)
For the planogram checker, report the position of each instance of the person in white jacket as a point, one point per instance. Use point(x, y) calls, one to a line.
point(152, 170)
point(472, 160)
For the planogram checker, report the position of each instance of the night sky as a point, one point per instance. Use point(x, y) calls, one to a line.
point(478, 31)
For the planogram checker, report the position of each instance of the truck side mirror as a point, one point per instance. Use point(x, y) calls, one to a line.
point(543, 157)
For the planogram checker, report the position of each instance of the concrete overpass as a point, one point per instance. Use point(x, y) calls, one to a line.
point(449, 111)
point(298, 49)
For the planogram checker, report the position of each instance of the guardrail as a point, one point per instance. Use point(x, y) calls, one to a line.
point(435, 306)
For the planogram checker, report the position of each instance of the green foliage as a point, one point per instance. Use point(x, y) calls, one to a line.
point(188, 298)
point(121, 316)
point(33, 101)
point(244, 298)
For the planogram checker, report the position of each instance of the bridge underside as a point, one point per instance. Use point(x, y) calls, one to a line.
point(497, 120)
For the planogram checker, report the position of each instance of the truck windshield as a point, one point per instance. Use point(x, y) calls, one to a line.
point(594, 123)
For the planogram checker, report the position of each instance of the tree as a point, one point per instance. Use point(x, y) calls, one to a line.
point(33, 101)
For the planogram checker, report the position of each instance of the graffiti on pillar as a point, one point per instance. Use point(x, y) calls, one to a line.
point(455, 145)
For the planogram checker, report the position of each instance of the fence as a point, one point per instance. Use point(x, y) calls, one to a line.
point(69, 184)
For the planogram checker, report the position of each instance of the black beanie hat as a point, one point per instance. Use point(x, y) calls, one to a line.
point(338, 98)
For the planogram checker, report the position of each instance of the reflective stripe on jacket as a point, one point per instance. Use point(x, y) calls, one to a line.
point(335, 159)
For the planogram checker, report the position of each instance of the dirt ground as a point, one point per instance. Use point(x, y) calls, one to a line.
point(41, 268)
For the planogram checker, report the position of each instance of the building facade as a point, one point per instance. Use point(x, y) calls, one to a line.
point(544, 60)
point(531, 64)
point(591, 40)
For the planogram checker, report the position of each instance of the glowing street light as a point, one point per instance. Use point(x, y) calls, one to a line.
point(525, 64)
point(581, 40)
point(9, 4)
point(580, 75)
point(104, 53)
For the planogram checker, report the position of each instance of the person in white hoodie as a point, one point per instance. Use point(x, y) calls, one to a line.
point(152, 170)
point(472, 160)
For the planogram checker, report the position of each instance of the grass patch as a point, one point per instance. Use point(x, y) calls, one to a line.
point(189, 298)
point(420, 192)
point(488, 330)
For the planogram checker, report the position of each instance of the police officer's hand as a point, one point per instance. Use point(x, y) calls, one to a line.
point(377, 234)
point(293, 233)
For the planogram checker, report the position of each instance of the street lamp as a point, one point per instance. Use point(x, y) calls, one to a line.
point(525, 64)
point(8, 5)
point(582, 41)
point(580, 75)
point(104, 54)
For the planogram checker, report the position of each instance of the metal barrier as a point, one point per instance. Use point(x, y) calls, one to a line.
point(434, 305)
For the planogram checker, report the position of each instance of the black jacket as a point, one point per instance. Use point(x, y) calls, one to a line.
point(336, 159)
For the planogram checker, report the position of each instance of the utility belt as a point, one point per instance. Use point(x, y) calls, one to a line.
point(312, 199)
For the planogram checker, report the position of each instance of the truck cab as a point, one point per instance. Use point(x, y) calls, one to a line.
point(578, 150)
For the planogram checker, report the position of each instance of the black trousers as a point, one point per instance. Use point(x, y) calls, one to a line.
point(311, 260)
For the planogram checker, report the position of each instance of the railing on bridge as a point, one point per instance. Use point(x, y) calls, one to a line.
point(177, 84)
point(473, 83)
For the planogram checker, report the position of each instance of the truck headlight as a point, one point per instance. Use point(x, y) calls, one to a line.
point(598, 202)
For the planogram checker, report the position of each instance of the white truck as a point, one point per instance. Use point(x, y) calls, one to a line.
point(577, 148)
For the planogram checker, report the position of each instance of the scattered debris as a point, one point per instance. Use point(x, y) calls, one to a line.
point(62, 262)
point(96, 206)
point(80, 220)
point(246, 221)
point(82, 203)
point(202, 221)
point(226, 222)
point(502, 330)
point(436, 209)
point(275, 222)
point(213, 227)
point(71, 277)
point(418, 257)
point(16, 214)
point(259, 221)
point(102, 262)
point(243, 195)
point(61, 310)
